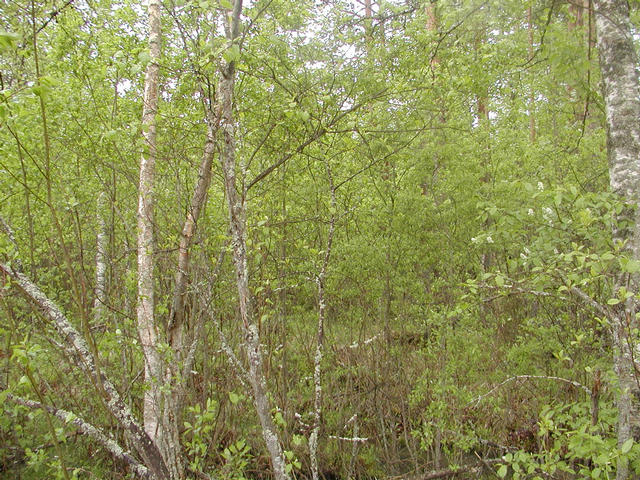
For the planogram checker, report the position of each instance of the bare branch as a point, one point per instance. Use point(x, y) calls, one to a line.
point(89, 430)
point(578, 385)
point(320, 132)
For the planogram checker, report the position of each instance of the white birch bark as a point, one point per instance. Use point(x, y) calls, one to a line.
point(237, 224)
point(100, 290)
point(145, 308)
point(317, 367)
point(91, 431)
point(618, 64)
point(79, 351)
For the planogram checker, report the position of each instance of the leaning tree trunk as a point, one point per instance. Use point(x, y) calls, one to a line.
point(79, 352)
point(620, 82)
point(238, 228)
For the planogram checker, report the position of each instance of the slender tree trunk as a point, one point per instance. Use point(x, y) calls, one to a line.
point(177, 372)
point(147, 329)
point(532, 118)
point(100, 290)
point(432, 26)
point(176, 316)
point(368, 22)
point(317, 363)
point(622, 100)
point(238, 227)
point(282, 294)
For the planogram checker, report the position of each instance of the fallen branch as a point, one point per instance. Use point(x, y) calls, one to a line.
point(451, 472)
point(578, 385)
point(86, 428)
point(350, 439)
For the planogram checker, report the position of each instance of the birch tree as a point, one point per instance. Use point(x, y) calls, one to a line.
point(236, 202)
point(618, 65)
point(319, 354)
point(166, 379)
point(147, 329)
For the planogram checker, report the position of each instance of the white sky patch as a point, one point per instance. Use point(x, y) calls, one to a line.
point(123, 86)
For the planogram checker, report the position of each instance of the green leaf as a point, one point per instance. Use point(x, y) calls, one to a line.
point(502, 471)
point(632, 266)
point(226, 4)
point(8, 40)
point(279, 419)
point(144, 57)
point(613, 301)
point(234, 398)
point(626, 446)
point(232, 54)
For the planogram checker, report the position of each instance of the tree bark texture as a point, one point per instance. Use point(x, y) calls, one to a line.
point(100, 290)
point(237, 224)
point(145, 309)
point(322, 306)
point(620, 83)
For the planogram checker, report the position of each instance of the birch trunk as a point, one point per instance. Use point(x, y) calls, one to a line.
point(620, 83)
point(146, 300)
point(237, 224)
point(317, 370)
point(100, 290)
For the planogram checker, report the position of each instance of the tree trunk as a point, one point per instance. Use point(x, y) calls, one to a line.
point(317, 363)
point(100, 289)
point(531, 106)
point(147, 328)
point(622, 101)
point(238, 226)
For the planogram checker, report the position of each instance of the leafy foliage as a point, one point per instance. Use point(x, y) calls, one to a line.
point(473, 231)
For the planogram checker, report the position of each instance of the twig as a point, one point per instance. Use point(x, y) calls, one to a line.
point(587, 390)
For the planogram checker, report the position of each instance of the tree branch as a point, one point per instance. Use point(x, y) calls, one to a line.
point(89, 430)
point(320, 132)
point(587, 390)
point(87, 363)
